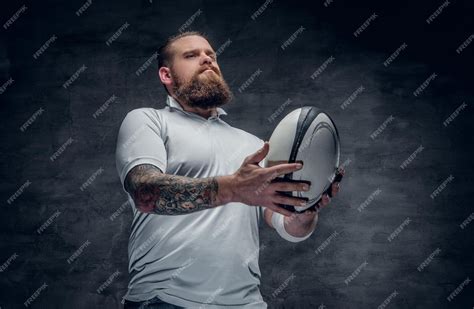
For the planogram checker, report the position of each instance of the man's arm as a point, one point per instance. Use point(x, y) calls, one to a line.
point(297, 225)
point(155, 192)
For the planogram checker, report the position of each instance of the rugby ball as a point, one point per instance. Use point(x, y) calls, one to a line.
point(307, 134)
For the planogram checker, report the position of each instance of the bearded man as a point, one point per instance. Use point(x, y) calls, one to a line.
point(199, 192)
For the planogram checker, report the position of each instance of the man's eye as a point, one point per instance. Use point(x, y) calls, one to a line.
point(189, 56)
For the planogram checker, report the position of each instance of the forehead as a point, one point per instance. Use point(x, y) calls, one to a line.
point(190, 42)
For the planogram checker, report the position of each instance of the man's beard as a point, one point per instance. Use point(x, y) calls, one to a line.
point(203, 91)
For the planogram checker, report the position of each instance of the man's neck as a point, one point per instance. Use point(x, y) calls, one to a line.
point(203, 112)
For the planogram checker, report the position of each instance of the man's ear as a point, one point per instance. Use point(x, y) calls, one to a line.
point(165, 76)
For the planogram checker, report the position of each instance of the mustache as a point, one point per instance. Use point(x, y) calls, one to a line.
point(210, 68)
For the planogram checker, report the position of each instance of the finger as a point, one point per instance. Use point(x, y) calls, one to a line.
point(308, 212)
point(341, 170)
point(286, 185)
point(325, 200)
point(259, 155)
point(339, 174)
point(280, 210)
point(335, 187)
point(314, 207)
point(288, 200)
point(282, 169)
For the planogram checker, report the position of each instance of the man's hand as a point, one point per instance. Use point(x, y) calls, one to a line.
point(301, 224)
point(252, 184)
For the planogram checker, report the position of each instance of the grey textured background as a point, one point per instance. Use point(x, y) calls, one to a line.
point(316, 280)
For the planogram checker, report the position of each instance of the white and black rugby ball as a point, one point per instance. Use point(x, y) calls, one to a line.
point(306, 134)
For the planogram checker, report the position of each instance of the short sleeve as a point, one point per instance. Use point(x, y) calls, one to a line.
point(140, 141)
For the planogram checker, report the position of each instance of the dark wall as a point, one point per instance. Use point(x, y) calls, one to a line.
point(376, 198)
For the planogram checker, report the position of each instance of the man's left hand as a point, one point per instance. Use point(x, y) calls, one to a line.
point(307, 217)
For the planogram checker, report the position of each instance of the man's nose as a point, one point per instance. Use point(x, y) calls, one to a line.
point(206, 59)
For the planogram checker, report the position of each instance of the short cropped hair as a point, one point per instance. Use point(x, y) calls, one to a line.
point(165, 56)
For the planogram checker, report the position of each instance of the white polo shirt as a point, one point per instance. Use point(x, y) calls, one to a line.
point(207, 257)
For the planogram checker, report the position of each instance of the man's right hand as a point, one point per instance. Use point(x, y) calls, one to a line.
point(253, 185)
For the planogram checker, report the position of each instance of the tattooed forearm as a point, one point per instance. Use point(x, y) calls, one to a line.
point(155, 192)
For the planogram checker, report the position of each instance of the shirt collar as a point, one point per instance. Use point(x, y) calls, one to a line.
point(171, 102)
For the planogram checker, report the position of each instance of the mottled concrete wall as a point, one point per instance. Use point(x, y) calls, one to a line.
point(364, 259)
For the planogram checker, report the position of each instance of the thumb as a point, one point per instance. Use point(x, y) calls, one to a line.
point(258, 156)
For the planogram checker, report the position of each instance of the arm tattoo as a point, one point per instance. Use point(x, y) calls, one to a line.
point(155, 192)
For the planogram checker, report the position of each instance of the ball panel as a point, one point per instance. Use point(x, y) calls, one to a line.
point(281, 141)
point(319, 149)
